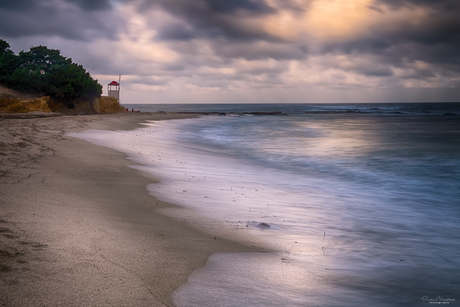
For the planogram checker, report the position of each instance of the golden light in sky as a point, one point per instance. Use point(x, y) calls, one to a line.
point(338, 18)
point(331, 19)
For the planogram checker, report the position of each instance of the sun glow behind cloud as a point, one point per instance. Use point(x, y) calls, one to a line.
point(339, 19)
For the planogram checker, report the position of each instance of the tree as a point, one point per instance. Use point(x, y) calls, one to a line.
point(7, 61)
point(4, 48)
point(47, 72)
point(72, 82)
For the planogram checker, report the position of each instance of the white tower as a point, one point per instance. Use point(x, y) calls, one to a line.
point(113, 89)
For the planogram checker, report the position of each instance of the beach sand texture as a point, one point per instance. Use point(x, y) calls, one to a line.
point(77, 225)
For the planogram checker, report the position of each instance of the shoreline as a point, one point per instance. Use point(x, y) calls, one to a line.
point(78, 225)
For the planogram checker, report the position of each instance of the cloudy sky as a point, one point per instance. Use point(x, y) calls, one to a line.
point(252, 50)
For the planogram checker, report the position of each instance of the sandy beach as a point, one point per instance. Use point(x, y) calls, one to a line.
point(77, 225)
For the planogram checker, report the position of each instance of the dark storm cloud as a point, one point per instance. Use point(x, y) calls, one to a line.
point(211, 18)
point(17, 4)
point(446, 5)
point(28, 5)
point(176, 31)
point(440, 28)
point(435, 39)
point(374, 71)
point(232, 6)
point(91, 5)
point(261, 51)
point(225, 7)
point(174, 67)
point(400, 54)
point(75, 19)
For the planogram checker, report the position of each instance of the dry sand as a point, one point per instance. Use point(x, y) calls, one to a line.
point(78, 227)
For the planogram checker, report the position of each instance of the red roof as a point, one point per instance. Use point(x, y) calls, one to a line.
point(114, 83)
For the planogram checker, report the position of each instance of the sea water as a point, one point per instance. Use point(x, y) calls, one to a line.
point(358, 204)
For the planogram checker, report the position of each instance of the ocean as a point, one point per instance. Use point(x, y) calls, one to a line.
point(356, 204)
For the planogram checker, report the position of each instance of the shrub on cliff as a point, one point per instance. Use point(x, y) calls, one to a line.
point(47, 72)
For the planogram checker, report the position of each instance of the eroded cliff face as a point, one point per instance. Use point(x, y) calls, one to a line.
point(105, 104)
point(24, 105)
point(12, 101)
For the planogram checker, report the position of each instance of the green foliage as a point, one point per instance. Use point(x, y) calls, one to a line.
point(4, 48)
point(7, 60)
point(47, 72)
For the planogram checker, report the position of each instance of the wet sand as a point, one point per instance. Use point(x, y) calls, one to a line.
point(77, 225)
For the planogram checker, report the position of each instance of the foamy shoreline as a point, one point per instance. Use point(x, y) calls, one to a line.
point(78, 226)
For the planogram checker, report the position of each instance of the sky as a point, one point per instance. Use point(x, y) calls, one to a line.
point(251, 51)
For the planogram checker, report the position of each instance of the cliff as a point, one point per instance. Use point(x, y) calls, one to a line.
point(12, 101)
point(106, 104)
